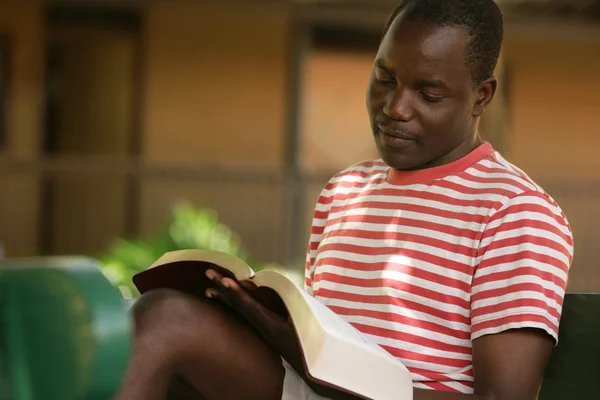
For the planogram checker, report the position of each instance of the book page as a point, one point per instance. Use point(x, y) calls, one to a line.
point(337, 326)
point(339, 356)
point(226, 261)
point(332, 323)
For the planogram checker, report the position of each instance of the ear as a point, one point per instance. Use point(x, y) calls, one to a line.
point(484, 95)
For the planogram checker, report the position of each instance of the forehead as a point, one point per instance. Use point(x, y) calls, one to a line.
point(432, 52)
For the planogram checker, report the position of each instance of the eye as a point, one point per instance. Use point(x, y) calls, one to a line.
point(383, 78)
point(430, 98)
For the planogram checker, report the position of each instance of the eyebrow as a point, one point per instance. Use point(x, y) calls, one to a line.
point(431, 83)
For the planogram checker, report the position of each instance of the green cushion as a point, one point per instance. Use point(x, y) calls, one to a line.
point(574, 368)
point(65, 332)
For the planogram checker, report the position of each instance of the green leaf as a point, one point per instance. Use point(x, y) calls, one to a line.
point(188, 227)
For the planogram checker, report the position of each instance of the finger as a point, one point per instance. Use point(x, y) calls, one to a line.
point(212, 274)
point(222, 283)
point(236, 295)
point(225, 286)
point(217, 297)
point(235, 292)
point(238, 298)
point(227, 289)
point(217, 293)
point(217, 279)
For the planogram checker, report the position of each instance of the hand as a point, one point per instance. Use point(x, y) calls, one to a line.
point(276, 331)
point(279, 333)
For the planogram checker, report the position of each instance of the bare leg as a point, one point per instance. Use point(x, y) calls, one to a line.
point(182, 337)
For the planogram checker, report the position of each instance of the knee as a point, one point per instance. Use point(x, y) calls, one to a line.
point(154, 306)
point(179, 320)
point(166, 309)
point(204, 343)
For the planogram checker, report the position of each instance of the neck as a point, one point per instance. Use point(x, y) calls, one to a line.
point(460, 162)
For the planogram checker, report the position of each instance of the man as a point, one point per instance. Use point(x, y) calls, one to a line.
point(442, 252)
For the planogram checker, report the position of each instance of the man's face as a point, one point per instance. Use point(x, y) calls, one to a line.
point(421, 100)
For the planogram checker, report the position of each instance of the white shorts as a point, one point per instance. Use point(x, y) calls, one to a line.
point(294, 387)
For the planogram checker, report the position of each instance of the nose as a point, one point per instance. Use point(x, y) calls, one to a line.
point(398, 105)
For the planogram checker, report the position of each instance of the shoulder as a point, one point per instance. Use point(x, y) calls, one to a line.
point(524, 189)
point(352, 179)
point(497, 175)
point(358, 174)
point(361, 170)
point(527, 215)
point(495, 172)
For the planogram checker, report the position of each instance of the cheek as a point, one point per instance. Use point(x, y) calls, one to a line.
point(437, 121)
point(370, 99)
point(370, 92)
point(375, 97)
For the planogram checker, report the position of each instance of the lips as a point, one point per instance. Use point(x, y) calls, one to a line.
point(396, 139)
point(403, 135)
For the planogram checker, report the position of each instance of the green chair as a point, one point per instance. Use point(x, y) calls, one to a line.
point(65, 333)
point(574, 368)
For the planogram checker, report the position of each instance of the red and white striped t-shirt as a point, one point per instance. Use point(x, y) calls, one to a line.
point(424, 262)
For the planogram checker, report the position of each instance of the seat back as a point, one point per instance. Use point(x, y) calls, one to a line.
point(574, 368)
point(65, 333)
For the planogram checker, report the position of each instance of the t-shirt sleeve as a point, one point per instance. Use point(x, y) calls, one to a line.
point(522, 267)
point(309, 271)
point(316, 232)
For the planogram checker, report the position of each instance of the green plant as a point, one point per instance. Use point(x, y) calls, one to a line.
point(188, 228)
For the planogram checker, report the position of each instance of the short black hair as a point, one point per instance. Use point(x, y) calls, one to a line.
point(481, 19)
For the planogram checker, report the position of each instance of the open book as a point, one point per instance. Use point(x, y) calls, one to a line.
point(335, 353)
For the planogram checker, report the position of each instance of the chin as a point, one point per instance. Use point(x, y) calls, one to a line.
point(399, 160)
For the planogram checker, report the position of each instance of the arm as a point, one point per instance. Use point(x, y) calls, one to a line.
point(508, 365)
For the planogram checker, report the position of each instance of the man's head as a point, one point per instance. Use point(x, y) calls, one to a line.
point(432, 79)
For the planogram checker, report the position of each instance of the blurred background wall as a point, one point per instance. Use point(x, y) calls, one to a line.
point(113, 111)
